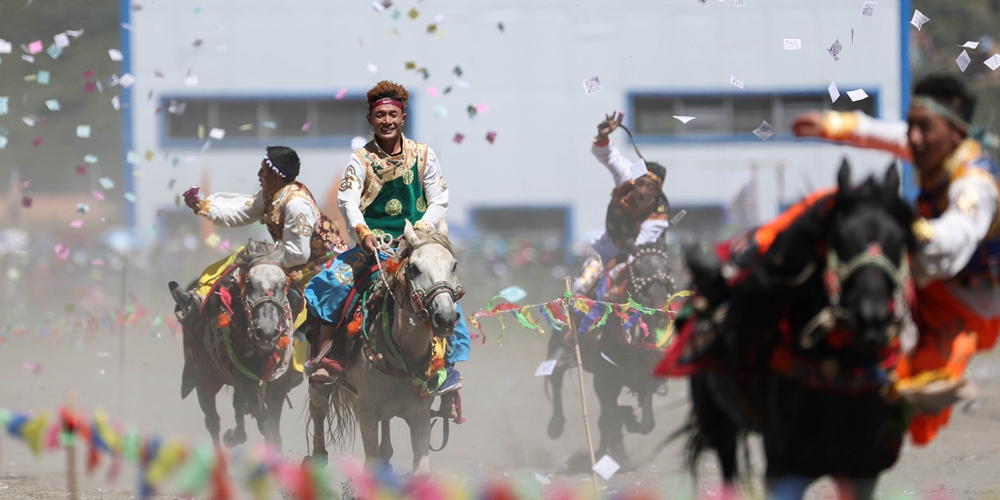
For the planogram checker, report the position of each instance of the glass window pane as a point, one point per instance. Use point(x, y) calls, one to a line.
point(184, 126)
point(234, 115)
point(288, 117)
point(709, 115)
point(654, 115)
point(845, 103)
point(342, 118)
point(749, 112)
point(795, 106)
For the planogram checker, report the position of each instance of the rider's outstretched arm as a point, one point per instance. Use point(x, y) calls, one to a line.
point(435, 191)
point(300, 219)
point(857, 129)
point(231, 209)
point(619, 166)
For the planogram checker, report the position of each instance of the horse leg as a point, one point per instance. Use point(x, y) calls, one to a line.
point(264, 423)
point(611, 421)
point(369, 437)
point(206, 399)
point(420, 440)
point(555, 381)
point(856, 488)
point(385, 444)
point(648, 422)
point(238, 436)
point(319, 408)
point(714, 430)
point(273, 403)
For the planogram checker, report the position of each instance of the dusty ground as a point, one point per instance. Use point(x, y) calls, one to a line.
point(504, 402)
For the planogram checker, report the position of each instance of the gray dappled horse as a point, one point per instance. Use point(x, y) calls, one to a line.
point(423, 296)
point(253, 354)
point(619, 360)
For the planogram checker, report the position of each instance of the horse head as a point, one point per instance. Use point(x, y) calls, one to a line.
point(430, 273)
point(264, 294)
point(867, 278)
point(650, 283)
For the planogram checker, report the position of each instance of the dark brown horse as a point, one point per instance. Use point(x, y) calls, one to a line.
point(803, 344)
point(242, 338)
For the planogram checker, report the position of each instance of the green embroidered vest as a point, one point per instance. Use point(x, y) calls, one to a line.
point(394, 188)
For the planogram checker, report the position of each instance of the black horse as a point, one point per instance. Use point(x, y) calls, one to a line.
point(619, 359)
point(804, 341)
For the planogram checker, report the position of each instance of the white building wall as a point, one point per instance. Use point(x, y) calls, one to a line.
point(530, 76)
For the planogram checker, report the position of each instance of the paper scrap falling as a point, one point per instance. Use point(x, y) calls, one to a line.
point(305, 126)
point(54, 51)
point(793, 44)
point(106, 183)
point(412, 14)
point(458, 138)
point(217, 134)
point(993, 62)
point(6, 47)
point(500, 26)
point(433, 91)
point(835, 49)
point(191, 80)
point(471, 110)
point(542, 479)
point(82, 208)
point(592, 86)
point(513, 294)
point(3, 106)
point(740, 3)
point(606, 466)
point(76, 224)
point(98, 195)
point(62, 251)
point(869, 9)
point(44, 77)
point(90, 159)
point(81, 170)
point(919, 19)
point(440, 111)
point(834, 92)
point(372, 68)
point(126, 80)
point(381, 5)
point(733, 80)
point(53, 105)
point(32, 367)
point(857, 95)
point(491, 136)
point(677, 218)
point(340, 94)
point(116, 103)
point(35, 47)
point(546, 368)
point(83, 131)
point(213, 240)
point(131, 158)
point(26, 201)
point(970, 45)
point(684, 119)
point(116, 55)
point(963, 60)
point(764, 131)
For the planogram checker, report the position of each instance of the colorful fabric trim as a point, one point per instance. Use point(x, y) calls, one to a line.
point(203, 207)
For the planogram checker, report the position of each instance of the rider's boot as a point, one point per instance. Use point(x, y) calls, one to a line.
point(591, 272)
point(188, 304)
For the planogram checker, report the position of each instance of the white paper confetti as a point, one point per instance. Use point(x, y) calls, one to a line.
point(834, 92)
point(372, 68)
point(592, 86)
point(90, 159)
point(606, 466)
point(963, 60)
point(677, 218)
point(126, 80)
point(793, 44)
point(733, 80)
point(857, 95)
point(28, 58)
point(53, 105)
point(970, 45)
point(993, 62)
point(116, 103)
point(919, 19)
point(106, 183)
point(116, 55)
point(217, 134)
point(132, 158)
point(75, 33)
point(546, 368)
point(764, 131)
point(739, 3)
point(83, 131)
point(868, 9)
point(82, 208)
point(684, 119)
point(62, 41)
point(191, 80)
point(835, 49)
point(4, 109)
point(6, 47)
point(29, 120)
point(542, 479)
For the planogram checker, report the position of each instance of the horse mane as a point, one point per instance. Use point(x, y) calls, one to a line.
point(435, 236)
point(258, 251)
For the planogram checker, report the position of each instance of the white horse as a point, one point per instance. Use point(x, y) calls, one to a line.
point(397, 348)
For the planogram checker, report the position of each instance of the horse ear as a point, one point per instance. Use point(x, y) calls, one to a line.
point(844, 177)
point(408, 234)
point(443, 226)
point(891, 182)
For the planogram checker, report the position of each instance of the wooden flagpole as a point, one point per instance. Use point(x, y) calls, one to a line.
point(583, 391)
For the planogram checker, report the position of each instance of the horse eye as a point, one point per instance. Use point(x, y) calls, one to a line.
point(412, 269)
point(454, 268)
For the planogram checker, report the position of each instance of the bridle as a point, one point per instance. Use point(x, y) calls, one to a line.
point(422, 298)
point(249, 306)
point(640, 283)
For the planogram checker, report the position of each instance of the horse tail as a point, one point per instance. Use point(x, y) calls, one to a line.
point(344, 411)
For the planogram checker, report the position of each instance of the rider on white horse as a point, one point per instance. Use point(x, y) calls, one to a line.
point(390, 181)
point(290, 213)
point(638, 213)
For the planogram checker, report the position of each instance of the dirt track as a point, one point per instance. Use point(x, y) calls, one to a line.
point(503, 401)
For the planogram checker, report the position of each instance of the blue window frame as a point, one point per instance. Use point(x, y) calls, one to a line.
point(731, 117)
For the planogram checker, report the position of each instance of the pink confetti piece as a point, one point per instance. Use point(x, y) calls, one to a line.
point(35, 47)
point(88, 74)
point(341, 93)
point(433, 91)
point(26, 202)
point(491, 136)
point(97, 194)
point(62, 251)
point(37, 141)
point(32, 367)
point(26, 184)
point(76, 224)
point(482, 108)
point(81, 170)
point(97, 262)
point(458, 138)
point(305, 126)
point(89, 87)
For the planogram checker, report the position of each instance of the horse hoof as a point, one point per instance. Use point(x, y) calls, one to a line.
point(320, 459)
point(556, 427)
point(232, 439)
